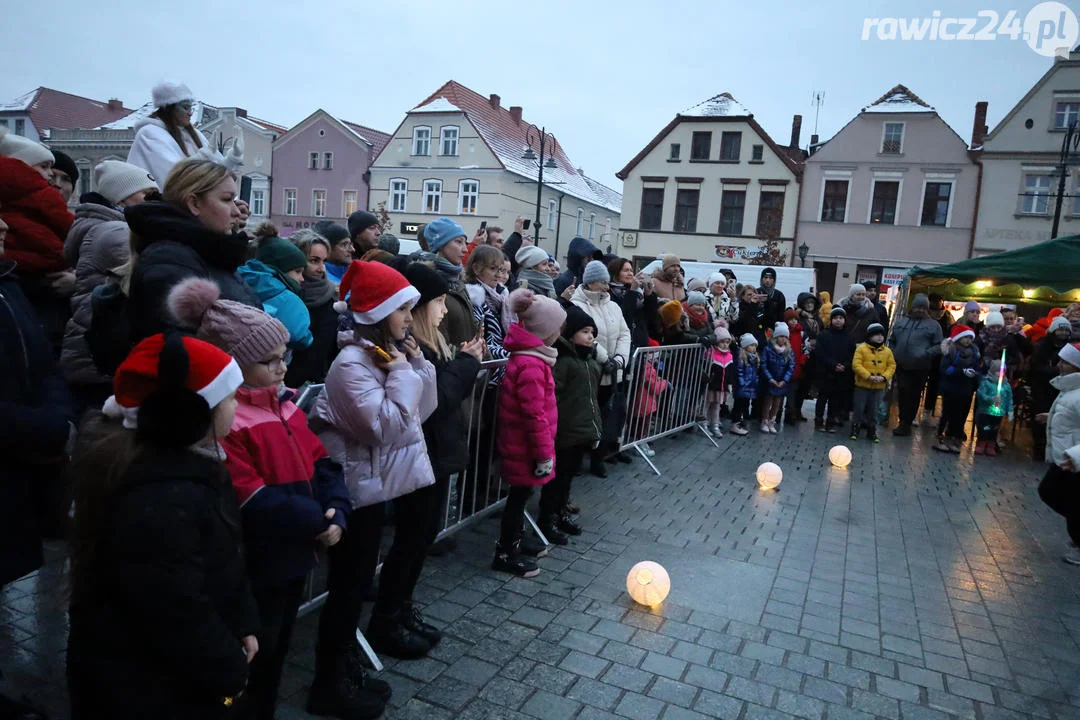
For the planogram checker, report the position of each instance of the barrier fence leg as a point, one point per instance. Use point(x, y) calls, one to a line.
point(536, 528)
point(701, 427)
point(646, 458)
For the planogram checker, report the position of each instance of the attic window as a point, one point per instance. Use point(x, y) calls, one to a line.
point(676, 148)
point(892, 140)
point(701, 146)
point(421, 140)
point(1066, 114)
point(757, 153)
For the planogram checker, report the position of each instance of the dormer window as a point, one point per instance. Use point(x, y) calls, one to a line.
point(421, 140)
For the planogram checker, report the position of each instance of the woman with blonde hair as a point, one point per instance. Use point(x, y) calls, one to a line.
point(190, 233)
point(485, 273)
point(168, 136)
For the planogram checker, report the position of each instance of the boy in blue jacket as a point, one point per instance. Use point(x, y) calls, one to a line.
point(960, 364)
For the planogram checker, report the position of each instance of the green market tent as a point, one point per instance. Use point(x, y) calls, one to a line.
point(1048, 272)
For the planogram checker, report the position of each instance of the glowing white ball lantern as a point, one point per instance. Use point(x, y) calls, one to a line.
point(769, 475)
point(840, 456)
point(648, 583)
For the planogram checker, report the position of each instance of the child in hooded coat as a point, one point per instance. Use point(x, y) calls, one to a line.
point(749, 368)
point(528, 418)
point(960, 364)
point(723, 374)
point(777, 368)
point(993, 401)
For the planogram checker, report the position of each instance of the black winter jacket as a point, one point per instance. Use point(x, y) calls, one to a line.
point(834, 348)
point(311, 364)
point(158, 634)
point(578, 255)
point(637, 310)
point(446, 431)
point(577, 382)
point(35, 412)
point(172, 246)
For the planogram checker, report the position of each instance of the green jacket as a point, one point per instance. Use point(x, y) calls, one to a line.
point(576, 383)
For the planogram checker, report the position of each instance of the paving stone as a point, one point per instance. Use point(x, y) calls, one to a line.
point(547, 706)
point(668, 667)
point(799, 705)
point(706, 678)
point(581, 664)
point(750, 691)
point(692, 653)
point(595, 693)
point(897, 689)
point(627, 678)
point(639, 707)
point(506, 692)
point(715, 705)
point(549, 678)
point(472, 670)
point(448, 693)
point(674, 692)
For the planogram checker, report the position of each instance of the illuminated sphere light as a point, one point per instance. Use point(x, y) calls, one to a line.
point(840, 456)
point(648, 583)
point(769, 475)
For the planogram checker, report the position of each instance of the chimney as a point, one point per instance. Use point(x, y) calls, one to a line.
point(813, 144)
point(979, 128)
point(494, 100)
point(796, 130)
point(115, 105)
point(515, 112)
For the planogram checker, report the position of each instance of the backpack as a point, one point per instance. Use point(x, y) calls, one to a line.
point(109, 334)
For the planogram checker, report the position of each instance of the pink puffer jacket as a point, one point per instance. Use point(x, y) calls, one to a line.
point(528, 415)
point(370, 422)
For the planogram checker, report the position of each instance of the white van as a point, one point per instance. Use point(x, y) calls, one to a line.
point(790, 281)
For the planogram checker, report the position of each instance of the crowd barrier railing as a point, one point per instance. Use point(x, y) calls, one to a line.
point(666, 394)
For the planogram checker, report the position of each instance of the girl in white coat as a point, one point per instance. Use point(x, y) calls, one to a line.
point(612, 346)
point(167, 136)
point(1060, 487)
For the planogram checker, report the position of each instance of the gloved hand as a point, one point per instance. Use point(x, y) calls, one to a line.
point(706, 340)
point(544, 468)
point(970, 372)
point(234, 158)
point(950, 370)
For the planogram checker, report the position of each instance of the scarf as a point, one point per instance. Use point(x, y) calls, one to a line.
point(545, 352)
point(965, 356)
point(447, 268)
point(698, 314)
point(537, 281)
point(495, 298)
point(317, 293)
point(583, 352)
point(750, 357)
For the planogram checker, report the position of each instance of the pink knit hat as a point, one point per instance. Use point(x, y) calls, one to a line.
point(246, 333)
point(540, 315)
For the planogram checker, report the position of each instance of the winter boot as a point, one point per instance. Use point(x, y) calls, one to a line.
point(551, 532)
point(596, 466)
point(980, 447)
point(819, 424)
point(854, 431)
point(739, 429)
point(414, 621)
point(872, 436)
point(510, 560)
point(356, 665)
point(335, 694)
point(572, 508)
point(389, 635)
point(992, 448)
point(568, 526)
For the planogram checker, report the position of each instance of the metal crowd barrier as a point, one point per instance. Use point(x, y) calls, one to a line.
point(666, 394)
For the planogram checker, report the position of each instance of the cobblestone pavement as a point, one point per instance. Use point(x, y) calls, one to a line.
point(911, 585)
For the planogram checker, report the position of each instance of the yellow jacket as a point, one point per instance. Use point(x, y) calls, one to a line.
point(870, 360)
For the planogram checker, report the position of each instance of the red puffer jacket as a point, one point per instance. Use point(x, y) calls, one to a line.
point(528, 414)
point(797, 348)
point(37, 217)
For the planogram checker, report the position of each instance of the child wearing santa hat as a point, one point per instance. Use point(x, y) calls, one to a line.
point(162, 619)
point(960, 366)
point(379, 391)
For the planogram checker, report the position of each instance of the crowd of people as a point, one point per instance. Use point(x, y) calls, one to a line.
point(156, 358)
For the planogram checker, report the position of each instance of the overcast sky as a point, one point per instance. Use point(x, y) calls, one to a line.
point(604, 75)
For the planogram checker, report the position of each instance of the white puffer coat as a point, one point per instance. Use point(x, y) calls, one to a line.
point(155, 150)
point(613, 338)
point(1063, 421)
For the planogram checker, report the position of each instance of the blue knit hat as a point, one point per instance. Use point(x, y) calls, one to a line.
point(441, 231)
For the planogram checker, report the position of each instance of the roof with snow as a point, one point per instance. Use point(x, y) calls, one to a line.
point(376, 138)
point(507, 139)
point(52, 109)
point(722, 105)
point(898, 100)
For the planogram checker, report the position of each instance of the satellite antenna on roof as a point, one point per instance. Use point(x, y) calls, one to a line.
point(817, 100)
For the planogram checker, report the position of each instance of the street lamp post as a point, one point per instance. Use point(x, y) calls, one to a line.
point(1070, 144)
point(547, 147)
point(804, 250)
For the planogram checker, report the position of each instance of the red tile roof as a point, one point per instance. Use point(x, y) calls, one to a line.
point(53, 109)
point(507, 138)
point(377, 138)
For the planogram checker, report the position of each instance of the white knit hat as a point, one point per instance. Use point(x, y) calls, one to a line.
point(23, 148)
point(717, 278)
point(1071, 354)
point(747, 340)
point(781, 330)
point(170, 93)
point(530, 256)
point(994, 318)
point(118, 180)
point(1059, 322)
point(856, 287)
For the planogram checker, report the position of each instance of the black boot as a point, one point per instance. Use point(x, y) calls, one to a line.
point(552, 533)
point(510, 560)
point(854, 431)
point(335, 694)
point(532, 547)
point(19, 709)
point(389, 635)
point(357, 664)
point(596, 466)
point(413, 620)
point(568, 526)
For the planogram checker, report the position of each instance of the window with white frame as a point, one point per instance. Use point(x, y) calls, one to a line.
point(834, 197)
point(1036, 197)
point(607, 230)
point(449, 138)
point(348, 202)
point(421, 140)
point(1066, 113)
point(399, 194)
point(20, 127)
point(937, 197)
point(318, 203)
point(433, 196)
point(328, 161)
point(592, 225)
point(313, 161)
point(892, 139)
point(553, 214)
point(468, 195)
point(580, 222)
point(290, 201)
point(258, 202)
point(884, 199)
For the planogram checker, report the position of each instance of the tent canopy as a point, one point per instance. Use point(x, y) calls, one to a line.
point(1046, 272)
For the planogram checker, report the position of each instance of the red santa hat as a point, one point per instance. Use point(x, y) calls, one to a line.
point(1071, 354)
point(172, 382)
point(960, 330)
point(374, 290)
